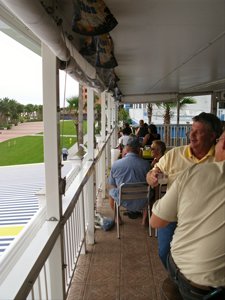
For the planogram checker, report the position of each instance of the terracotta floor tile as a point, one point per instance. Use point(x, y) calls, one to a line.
point(137, 292)
point(119, 269)
point(76, 291)
point(109, 292)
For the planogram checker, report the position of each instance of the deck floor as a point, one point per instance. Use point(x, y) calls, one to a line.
point(119, 269)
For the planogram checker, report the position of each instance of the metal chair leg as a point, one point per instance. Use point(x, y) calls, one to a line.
point(149, 226)
point(117, 221)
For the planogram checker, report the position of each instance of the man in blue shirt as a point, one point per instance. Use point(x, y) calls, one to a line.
point(131, 168)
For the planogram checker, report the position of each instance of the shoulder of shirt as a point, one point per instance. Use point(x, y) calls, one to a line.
point(179, 149)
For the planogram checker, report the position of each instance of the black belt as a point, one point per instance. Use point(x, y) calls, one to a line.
point(197, 287)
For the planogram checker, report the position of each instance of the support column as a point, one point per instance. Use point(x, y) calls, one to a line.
point(52, 158)
point(103, 138)
point(90, 155)
point(108, 150)
point(80, 133)
point(114, 123)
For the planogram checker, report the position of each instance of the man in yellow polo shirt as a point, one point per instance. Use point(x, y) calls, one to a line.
point(206, 128)
point(196, 200)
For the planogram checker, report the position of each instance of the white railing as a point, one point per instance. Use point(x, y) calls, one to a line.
point(174, 135)
point(32, 274)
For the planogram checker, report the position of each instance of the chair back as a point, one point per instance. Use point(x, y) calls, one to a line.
point(133, 191)
point(137, 191)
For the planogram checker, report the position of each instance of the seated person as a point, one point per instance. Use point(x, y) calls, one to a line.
point(150, 136)
point(158, 149)
point(205, 129)
point(131, 168)
point(124, 138)
point(196, 261)
point(127, 129)
point(142, 129)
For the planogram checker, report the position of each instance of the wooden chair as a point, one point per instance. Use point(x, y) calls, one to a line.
point(130, 192)
point(159, 191)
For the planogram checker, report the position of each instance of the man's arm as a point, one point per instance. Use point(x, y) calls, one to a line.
point(157, 222)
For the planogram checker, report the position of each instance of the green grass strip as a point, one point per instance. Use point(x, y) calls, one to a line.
point(29, 149)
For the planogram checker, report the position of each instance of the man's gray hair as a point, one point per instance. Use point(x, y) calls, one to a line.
point(211, 120)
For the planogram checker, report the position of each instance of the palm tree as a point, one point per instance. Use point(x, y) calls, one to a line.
point(149, 112)
point(73, 109)
point(39, 111)
point(123, 115)
point(29, 110)
point(4, 111)
point(10, 110)
point(168, 113)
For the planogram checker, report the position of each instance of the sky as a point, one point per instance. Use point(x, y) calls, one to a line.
point(21, 74)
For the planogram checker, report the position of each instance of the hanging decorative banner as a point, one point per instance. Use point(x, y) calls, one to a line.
point(105, 57)
point(89, 46)
point(92, 17)
point(98, 50)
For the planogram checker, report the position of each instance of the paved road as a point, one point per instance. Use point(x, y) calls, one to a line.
point(27, 128)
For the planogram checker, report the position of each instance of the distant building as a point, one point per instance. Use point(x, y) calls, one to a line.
point(203, 103)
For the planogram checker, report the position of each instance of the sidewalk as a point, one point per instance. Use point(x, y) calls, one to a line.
point(23, 129)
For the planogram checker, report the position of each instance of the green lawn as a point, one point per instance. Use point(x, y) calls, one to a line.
point(29, 149)
point(22, 150)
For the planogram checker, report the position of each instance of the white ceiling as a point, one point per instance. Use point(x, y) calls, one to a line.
point(163, 47)
point(169, 46)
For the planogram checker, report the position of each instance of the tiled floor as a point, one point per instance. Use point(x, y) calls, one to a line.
point(119, 269)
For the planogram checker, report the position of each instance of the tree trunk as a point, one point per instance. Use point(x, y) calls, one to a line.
point(149, 112)
point(167, 117)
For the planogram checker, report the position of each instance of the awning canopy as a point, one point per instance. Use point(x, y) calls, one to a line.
point(163, 49)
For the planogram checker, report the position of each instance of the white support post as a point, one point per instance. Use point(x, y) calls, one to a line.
point(110, 100)
point(103, 116)
point(108, 151)
point(90, 146)
point(109, 116)
point(51, 133)
point(114, 124)
point(103, 169)
point(90, 123)
point(52, 165)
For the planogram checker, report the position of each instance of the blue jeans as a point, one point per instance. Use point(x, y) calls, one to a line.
point(165, 236)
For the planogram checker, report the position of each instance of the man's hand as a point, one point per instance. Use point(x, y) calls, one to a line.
point(152, 177)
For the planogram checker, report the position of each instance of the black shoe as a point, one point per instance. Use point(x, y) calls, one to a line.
point(133, 214)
